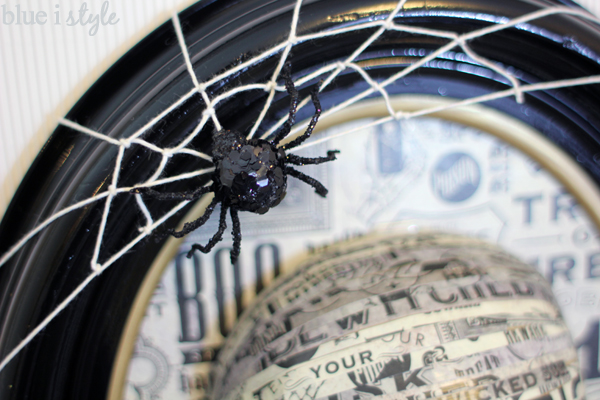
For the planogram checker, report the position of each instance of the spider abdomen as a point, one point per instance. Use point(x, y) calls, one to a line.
point(252, 176)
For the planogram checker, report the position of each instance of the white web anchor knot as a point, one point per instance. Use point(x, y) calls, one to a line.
point(327, 73)
point(125, 142)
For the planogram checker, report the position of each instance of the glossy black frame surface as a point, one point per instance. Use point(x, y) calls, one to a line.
point(73, 357)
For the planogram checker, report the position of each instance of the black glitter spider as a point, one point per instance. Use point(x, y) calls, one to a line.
point(250, 175)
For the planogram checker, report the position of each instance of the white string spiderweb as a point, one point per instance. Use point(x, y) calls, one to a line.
point(327, 72)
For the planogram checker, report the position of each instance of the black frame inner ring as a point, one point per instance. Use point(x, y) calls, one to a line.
point(72, 358)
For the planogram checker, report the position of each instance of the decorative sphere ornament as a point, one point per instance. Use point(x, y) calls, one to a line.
point(403, 317)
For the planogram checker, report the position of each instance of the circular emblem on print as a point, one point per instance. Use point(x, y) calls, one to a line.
point(148, 371)
point(456, 177)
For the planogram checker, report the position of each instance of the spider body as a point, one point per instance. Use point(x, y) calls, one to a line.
point(250, 174)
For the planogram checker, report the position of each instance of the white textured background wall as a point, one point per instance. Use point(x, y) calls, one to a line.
point(45, 68)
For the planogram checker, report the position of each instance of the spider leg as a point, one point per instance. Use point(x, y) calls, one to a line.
point(291, 89)
point(319, 188)
point(216, 237)
point(237, 235)
point(297, 160)
point(311, 125)
point(189, 195)
point(193, 225)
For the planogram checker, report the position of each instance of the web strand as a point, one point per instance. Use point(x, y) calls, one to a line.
point(595, 79)
point(327, 73)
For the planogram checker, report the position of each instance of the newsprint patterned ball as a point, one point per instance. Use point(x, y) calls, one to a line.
point(428, 316)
